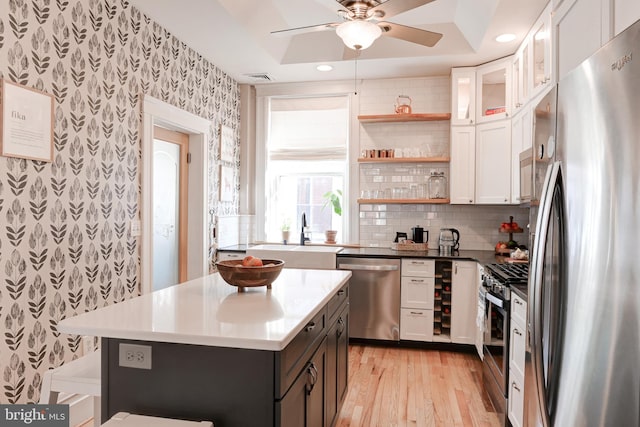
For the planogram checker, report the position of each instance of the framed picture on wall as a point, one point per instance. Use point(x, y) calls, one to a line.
point(227, 183)
point(227, 144)
point(26, 123)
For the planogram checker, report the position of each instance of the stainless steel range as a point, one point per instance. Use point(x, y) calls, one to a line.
point(495, 369)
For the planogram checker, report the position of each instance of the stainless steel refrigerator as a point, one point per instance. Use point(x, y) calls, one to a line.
point(583, 361)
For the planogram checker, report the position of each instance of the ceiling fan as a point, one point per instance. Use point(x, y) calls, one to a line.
point(362, 23)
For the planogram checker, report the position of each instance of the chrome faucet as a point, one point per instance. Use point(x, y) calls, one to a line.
point(303, 238)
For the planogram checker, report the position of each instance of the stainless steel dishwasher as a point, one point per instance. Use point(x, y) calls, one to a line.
point(374, 297)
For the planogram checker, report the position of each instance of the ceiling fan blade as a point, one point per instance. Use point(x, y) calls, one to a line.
point(410, 34)
point(309, 29)
point(393, 7)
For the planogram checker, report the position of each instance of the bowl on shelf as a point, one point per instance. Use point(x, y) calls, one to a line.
point(235, 274)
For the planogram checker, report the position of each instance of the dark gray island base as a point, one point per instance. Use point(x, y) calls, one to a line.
point(302, 385)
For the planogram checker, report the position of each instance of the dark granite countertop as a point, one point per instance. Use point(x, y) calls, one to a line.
point(522, 291)
point(483, 257)
point(235, 248)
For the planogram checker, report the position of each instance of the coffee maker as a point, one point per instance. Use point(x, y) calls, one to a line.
point(449, 241)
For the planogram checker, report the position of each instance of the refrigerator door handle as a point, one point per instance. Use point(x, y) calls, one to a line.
point(545, 215)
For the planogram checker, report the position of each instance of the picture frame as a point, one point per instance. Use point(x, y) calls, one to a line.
point(26, 122)
point(227, 183)
point(227, 144)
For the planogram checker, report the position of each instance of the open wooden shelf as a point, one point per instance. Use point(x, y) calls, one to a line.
point(404, 201)
point(397, 118)
point(404, 160)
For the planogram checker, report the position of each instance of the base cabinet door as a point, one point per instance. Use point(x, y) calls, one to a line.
point(515, 401)
point(337, 362)
point(303, 405)
point(464, 299)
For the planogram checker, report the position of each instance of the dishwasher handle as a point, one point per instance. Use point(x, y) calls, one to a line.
point(364, 267)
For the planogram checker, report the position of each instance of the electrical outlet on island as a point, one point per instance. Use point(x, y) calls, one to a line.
point(134, 356)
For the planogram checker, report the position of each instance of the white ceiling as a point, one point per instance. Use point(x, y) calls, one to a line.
point(235, 35)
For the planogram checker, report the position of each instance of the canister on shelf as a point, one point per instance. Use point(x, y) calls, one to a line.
point(437, 185)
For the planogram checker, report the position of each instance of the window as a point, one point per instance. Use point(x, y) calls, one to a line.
point(306, 157)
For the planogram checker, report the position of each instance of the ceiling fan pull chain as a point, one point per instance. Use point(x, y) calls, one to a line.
point(355, 73)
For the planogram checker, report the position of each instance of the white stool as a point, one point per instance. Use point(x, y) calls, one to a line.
point(124, 419)
point(80, 376)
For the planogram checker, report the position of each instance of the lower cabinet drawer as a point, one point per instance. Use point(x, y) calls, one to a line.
point(516, 400)
point(229, 256)
point(416, 324)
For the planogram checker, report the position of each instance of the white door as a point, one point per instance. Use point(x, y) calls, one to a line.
point(169, 207)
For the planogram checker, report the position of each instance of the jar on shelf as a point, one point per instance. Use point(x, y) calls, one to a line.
point(437, 185)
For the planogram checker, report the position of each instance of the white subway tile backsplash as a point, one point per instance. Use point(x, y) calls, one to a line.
point(478, 225)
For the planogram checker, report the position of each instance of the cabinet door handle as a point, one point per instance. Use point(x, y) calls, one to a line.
point(515, 386)
point(456, 268)
point(470, 200)
point(310, 327)
point(340, 326)
point(341, 292)
point(519, 302)
point(417, 312)
point(417, 280)
point(517, 332)
point(312, 377)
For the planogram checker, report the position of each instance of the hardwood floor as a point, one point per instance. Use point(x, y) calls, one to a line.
point(414, 387)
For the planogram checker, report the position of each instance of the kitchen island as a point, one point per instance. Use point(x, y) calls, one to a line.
point(202, 351)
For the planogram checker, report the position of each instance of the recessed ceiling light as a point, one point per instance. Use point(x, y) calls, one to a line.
point(324, 67)
point(505, 38)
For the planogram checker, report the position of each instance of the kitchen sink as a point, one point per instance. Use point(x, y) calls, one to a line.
point(298, 256)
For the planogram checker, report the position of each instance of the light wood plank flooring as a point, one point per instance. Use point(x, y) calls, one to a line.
point(414, 387)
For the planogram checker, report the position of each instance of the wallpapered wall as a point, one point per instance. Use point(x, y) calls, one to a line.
point(65, 247)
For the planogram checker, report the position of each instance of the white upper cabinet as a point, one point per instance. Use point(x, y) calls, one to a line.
point(521, 77)
point(531, 69)
point(463, 96)
point(463, 165)
point(626, 12)
point(493, 163)
point(493, 91)
point(541, 52)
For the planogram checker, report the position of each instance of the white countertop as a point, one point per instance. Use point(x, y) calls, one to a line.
point(208, 311)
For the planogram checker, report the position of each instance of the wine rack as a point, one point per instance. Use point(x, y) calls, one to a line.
point(442, 301)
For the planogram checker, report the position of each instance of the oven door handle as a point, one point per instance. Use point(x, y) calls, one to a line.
point(494, 300)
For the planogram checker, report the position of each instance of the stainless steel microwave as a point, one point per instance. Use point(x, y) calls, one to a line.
point(526, 175)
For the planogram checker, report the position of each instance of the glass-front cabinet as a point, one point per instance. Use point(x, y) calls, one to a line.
point(494, 90)
point(463, 96)
point(541, 55)
point(520, 77)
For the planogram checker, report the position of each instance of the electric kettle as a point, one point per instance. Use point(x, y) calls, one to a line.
point(449, 240)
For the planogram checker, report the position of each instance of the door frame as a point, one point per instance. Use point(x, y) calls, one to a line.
point(157, 112)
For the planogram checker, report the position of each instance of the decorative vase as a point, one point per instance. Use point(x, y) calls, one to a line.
point(330, 236)
point(285, 236)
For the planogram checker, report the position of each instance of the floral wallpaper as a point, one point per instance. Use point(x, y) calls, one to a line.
point(65, 246)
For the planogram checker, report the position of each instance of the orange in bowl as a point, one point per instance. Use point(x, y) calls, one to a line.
point(248, 276)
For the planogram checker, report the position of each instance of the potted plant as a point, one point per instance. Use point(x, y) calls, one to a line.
point(332, 198)
point(285, 228)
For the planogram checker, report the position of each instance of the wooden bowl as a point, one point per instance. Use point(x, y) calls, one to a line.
point(235, 274)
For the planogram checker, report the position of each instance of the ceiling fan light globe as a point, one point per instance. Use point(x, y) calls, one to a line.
point(358, 34)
